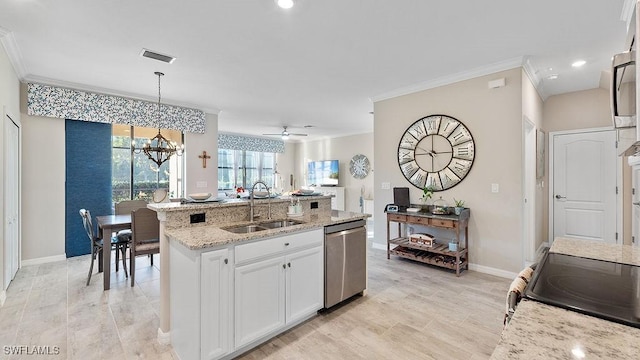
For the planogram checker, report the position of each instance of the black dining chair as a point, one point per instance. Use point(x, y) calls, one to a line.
point(97, 246)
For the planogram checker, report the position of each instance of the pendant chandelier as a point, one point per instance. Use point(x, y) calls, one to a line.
point(159, 149)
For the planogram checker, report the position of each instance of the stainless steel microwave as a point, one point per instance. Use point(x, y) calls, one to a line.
point(623, 89)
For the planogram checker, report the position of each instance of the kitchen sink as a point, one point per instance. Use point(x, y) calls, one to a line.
point(276, 224)
point(243, 229)
point(279, 224)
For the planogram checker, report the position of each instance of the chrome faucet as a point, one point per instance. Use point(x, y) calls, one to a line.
point(252, 199)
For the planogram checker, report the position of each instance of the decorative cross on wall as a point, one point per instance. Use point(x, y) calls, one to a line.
point(204, 158)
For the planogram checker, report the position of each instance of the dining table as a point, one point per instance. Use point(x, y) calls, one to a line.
point(107, 224)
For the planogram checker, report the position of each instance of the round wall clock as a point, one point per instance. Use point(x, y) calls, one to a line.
point(436, 151)
point(359, 166)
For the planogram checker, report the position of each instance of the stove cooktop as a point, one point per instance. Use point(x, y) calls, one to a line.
point(599, 288)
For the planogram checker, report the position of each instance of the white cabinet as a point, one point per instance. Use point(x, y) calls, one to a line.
point(305, 283)
point(228, 300)
point(278, 291)
point(337, 201)
point(260, 294)
point(215, 304)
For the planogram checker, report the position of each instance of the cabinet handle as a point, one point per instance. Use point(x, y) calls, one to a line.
point(289, 264)
point(284, 266)
point(286, 244)
point(226, 261)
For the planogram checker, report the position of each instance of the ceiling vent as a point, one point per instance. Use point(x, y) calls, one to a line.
point(157, 56)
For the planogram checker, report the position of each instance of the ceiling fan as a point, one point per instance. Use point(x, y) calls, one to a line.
point(285, 134)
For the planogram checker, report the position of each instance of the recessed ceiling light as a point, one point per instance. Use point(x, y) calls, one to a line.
point(285, 4)
point(552, 77)
point(578, 63)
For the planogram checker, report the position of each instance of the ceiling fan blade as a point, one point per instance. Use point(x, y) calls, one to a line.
point(297, 134)
point(280, 134)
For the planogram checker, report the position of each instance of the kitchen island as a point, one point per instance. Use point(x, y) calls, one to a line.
point(224, 291)
point(540, 331)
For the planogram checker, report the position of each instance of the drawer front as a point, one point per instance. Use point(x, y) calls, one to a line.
point(278, 245)
point(396, 217)
point(418, 220)
point(442, 223)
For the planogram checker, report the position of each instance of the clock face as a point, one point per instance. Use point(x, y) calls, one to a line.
point(436, 151)
point(359, 166)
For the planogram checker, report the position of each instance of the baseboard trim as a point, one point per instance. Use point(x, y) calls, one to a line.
point(43, 260)
point(375, 245)
point(493, 271)
point(3, 297)
point(164, 338)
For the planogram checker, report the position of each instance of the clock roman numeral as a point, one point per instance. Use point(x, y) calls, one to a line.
point(460, 167)
point(408, 169)
point(419, 178)
point(405, 156)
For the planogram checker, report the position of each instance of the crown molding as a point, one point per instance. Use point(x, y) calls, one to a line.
point(627, 11)
point(453, 78)
point(13, 52)
point(536, 80)
point(105, 91)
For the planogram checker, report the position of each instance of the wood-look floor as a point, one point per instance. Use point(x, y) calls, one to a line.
point(411, 311)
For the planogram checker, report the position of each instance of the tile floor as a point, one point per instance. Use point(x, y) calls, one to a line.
point(411, 311)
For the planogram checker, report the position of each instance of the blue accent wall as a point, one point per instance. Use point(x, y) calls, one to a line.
point(88, 179)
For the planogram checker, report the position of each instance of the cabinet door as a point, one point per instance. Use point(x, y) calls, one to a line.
point(305, 283)
point(259, 299)
point(215, 304)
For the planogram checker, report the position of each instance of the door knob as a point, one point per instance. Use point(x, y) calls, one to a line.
point(560, 197)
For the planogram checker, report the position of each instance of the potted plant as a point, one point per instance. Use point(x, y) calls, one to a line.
point(459, 206)
point(427, 193)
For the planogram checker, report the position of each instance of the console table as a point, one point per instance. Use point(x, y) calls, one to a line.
point(438, 254)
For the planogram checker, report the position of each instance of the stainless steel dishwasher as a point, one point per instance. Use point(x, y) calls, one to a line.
point(345, 261)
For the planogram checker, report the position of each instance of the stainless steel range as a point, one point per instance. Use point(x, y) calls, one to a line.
point(599, 288)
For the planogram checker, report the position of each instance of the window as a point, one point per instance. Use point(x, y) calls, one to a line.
point(241, 168)
point(134, 176)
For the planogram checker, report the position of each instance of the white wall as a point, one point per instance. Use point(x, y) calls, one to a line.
point(10, 104)
point(494, 117)
point(197, 178)
point(285, 166)
point(43, 186)
point(341, 149)
point(532, 109)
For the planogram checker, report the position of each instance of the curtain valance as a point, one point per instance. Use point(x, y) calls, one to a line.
point(63, 103)
point(237, 142)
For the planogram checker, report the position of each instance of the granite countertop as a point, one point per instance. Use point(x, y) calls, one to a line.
point(202, 237)
point(177, 206)
point(624, 254)
point(540, 331)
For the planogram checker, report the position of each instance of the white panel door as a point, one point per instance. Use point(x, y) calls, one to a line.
point(584, 186)
point(259, 299)
point(215, 305)
point(305, 283)
point(11, 193)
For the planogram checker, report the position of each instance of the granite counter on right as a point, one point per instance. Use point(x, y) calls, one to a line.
point(540, 331)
